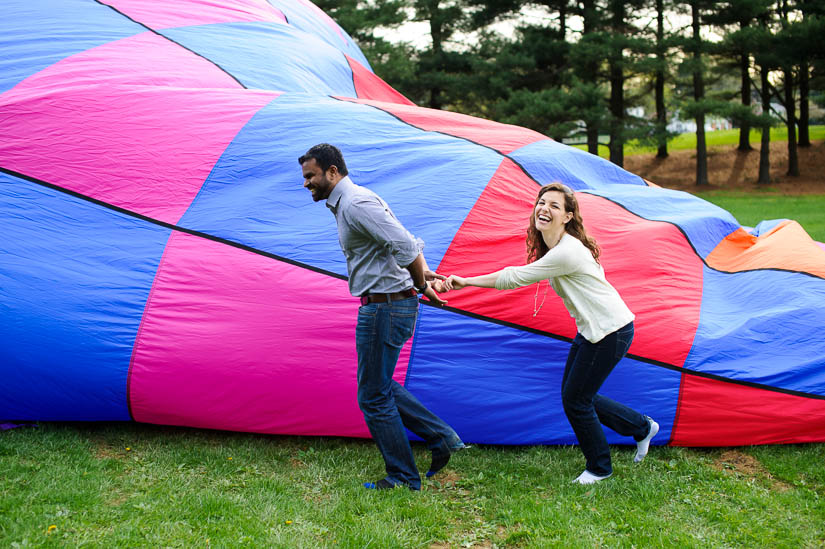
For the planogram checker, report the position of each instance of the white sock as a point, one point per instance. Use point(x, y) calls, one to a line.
point(643, 445)
point(589, 478)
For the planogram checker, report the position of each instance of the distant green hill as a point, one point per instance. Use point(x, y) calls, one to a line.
point(713, 139)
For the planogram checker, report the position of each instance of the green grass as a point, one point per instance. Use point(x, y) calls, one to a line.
point(716, 138)
point(749, 208)
point(132, 485)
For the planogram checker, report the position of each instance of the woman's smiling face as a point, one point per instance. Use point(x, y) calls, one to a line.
point(550, 214)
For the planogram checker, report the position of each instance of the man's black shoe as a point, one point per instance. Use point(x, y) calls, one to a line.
point(440, 460)
point(382, 484)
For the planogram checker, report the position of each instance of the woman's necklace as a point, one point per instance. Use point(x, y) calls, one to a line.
point(536, 298)
point(538, 285)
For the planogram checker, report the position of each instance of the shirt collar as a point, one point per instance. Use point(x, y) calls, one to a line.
point(337, 192)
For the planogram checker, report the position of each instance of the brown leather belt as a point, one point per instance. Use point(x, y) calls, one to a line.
point(383, 298)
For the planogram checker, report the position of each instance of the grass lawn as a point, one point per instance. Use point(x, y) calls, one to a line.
point(749, 208)
point(132, 485)
point(731, 137)
point(713, 139)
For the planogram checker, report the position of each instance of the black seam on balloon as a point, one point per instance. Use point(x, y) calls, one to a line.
point(168, 225)
point(651, 361)
point(286, 19)
point(702, 259)
point(470, 314)
point(173, 41)
point(507, 156)
point(467, 139)
point(562, 338)
point(477, 316)
point(586, 191)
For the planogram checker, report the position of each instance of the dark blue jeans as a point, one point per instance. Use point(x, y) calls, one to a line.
point(588, 365)
point(388, 407)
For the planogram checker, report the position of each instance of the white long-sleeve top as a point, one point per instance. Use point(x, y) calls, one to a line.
point(579, 280)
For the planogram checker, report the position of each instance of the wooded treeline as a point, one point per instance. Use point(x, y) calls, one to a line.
point(576, 69)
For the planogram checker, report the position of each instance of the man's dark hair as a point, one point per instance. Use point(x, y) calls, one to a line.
point(326, 155)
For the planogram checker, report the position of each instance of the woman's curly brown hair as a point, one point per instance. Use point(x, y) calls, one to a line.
point(536, 247)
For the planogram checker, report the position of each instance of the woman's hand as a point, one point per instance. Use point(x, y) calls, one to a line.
point(438, 286)
point(455, 282)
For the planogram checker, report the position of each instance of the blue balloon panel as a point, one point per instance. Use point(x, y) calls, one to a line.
point(737, 336)
point(430, 181)
point(74, 281)
point(63, 28)
point(253, 54)
point(548, 161)
point(307, 17)
point(498, 384)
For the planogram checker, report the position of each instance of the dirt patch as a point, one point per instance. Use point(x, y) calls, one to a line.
point(449, 478)
point(729, 169)
point(486, 544)
point(117, 501)
point(747, 466)
point(102, 450)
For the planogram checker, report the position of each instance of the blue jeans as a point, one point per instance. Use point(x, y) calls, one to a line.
point(388, 407)
point(588, 365)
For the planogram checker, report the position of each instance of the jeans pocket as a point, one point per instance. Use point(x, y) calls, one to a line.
point(367, 325)
point(402, 324)
point(624, 337)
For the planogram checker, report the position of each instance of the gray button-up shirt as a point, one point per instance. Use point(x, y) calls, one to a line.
point(376, 245)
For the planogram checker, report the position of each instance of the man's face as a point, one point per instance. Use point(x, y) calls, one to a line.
point(316, 180)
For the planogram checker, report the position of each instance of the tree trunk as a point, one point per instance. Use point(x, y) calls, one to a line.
point(790, 107)
point(617, 121)
point(765, 147)
point(437, 36)
point(698, 96)
point(593, 138)
point(617, 112)
point(563, 21)
point(804, 86)
point(745, 128)
point(701, 152)
point(589, 22)
point(661, 113)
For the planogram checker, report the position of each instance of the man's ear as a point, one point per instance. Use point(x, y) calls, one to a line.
point(332, 170)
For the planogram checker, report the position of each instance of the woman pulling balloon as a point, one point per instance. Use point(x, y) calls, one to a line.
point(560, 251)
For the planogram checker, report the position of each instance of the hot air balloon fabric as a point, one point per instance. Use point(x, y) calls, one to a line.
point(160, 261)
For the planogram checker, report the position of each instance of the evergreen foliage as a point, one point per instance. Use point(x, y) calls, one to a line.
point(579, 70)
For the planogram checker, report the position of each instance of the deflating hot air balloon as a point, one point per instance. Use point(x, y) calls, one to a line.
point(160, 261)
